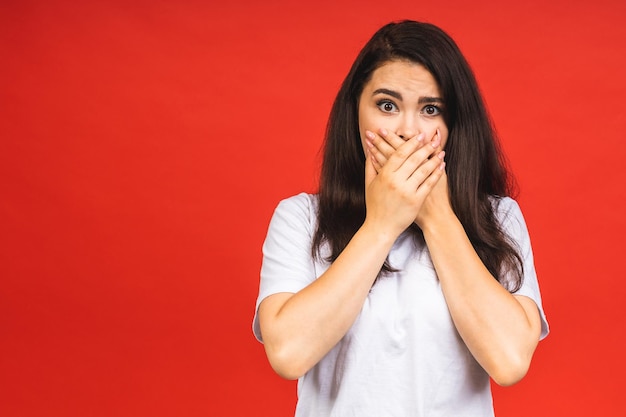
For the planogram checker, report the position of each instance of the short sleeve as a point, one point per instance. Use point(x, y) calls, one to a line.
point(288, 265)
point(514, 226)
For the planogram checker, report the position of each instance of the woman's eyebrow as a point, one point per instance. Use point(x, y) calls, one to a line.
point(423, 100)
point(391, 93)
point(397, 95)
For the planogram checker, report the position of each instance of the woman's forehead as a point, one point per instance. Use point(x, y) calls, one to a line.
point(403, 77)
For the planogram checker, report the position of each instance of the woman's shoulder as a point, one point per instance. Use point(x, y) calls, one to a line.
point(509, 214)
point(298, 202)
point(298, 208)
point(504, 206)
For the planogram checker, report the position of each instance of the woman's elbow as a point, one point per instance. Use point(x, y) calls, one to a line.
point(286, 364)
point(511, 373)
point(514, 363)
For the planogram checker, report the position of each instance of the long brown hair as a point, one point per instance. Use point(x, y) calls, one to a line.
point(475, 165)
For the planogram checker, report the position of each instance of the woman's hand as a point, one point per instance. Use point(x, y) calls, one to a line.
point(395, 193)
point(436, 198)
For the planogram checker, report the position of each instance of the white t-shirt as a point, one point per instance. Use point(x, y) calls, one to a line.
point(403, 355)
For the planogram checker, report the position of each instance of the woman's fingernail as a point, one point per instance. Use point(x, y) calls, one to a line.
point(369, 143)
point(435, 142)
point(420, 137)
point(384, 132)
point(442, 166)
point(441, 155)
point(370, 135)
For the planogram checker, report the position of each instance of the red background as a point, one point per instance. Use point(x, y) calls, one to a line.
point(144, 146)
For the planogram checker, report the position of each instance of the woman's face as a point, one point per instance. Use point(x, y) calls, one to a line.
point(404, 98)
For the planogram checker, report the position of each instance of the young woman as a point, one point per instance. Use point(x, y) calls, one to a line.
point(408, 280)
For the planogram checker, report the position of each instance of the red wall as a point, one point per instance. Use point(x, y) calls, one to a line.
point(144, 147)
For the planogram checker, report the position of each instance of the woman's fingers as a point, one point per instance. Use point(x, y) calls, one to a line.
point(377, 166)
point(429, 170)
point(371, 169)
point(406, 158)
point(401, 183)
point(382, 148)
point(385, 143)
point(396, 193)
point(419, 155)
point(394, 140)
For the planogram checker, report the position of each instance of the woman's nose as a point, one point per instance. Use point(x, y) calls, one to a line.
point(408, 127)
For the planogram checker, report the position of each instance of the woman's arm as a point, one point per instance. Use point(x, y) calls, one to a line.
point(500, 329)
point(299, 329)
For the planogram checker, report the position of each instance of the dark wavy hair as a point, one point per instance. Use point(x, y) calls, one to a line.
point(475, 165)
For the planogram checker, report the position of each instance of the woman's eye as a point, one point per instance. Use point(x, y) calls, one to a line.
point(387, 106)
point(431, 110)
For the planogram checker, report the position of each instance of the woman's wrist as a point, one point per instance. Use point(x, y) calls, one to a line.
point(440, 223)
point(380, 234)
